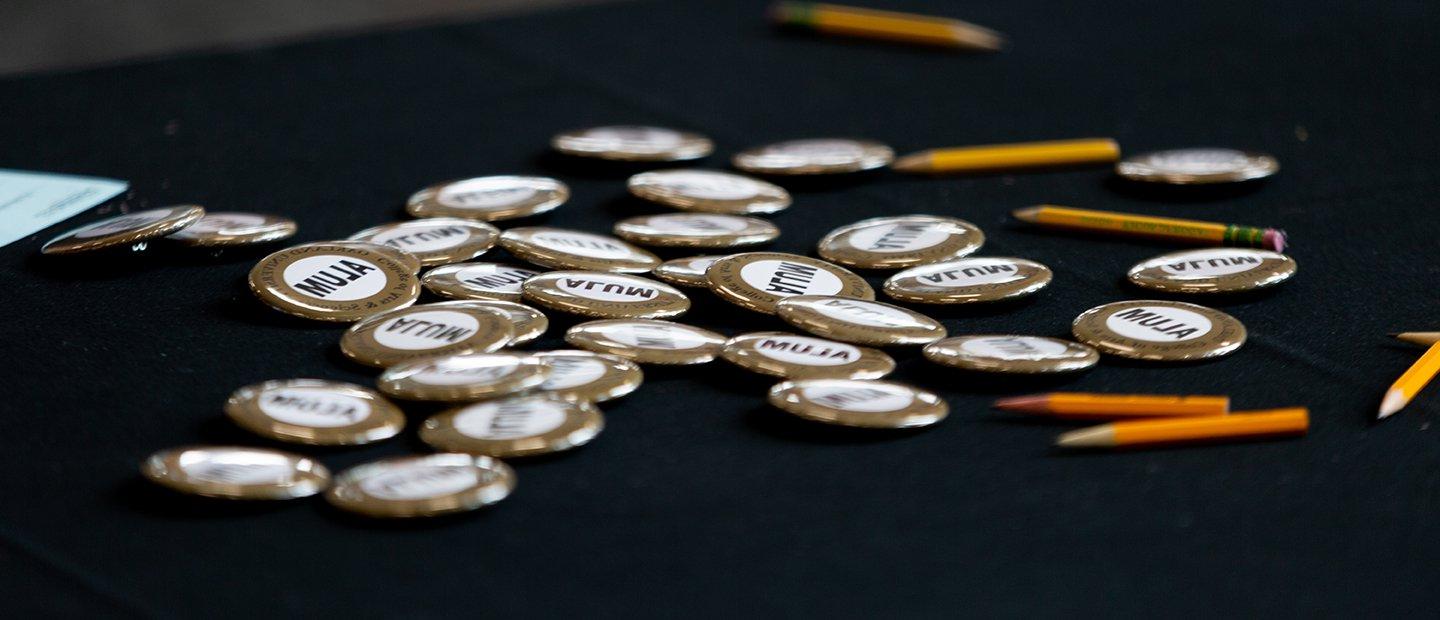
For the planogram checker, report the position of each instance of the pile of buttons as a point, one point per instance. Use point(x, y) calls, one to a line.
point(498, 401)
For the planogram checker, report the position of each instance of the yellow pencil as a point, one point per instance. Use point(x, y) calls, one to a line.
point(1166, 431)
point(1411, 382)
point(995, 157)
point(885, 25)
point(1081, 406)
point(1153, 227)
point(1421, 338)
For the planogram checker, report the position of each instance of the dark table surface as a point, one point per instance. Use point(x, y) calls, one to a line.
point(698, 498)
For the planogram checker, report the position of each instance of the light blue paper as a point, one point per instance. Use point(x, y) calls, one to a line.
point(31, 201)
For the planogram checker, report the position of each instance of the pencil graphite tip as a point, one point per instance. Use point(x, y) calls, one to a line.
point(1093, 437)
point(1420, 338)
point(1028, 214)
point(914, 162)
point(1394, 401)
point(1023, 404)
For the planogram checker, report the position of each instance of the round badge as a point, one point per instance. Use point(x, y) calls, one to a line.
point(435, 240)
point(605, 295)
point(858, 320)
point(408, 260)
point(422, 486)
point(1159, 330)
point(968, 280)
point(526, 322)
point(815, 156)
point(489, 199)
point(314, 412)
point(1012, 354)
point(709, 191)
point(633, 143)
point(426, 330)
point(583, 375)
point(865, 404)
point(1201, 166)
point(758, 280)
point(648, 341)
point(904, 241)
point(1213, 270)
point(467, 376)
point(334, 281)
point(231, 472)
point(802, 357)
point(477, 281)
point(131, 228)
point(227, 229)
point(514, 427)
point(558, 248)
point(696, 230)
point(688, 271)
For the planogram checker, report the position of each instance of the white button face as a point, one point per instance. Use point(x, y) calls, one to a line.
point(419, 482)
point(709, 186)
point(467, 371)
point(821, 151)
point(424, 237)
point(878, 398)
point(696, 224)
point(805, 351)
point(227, 223)
point(311, 407)
point(430, 329)
point(121, 224)
point(629, 137)
point(1158, 324)
point(662, 337)
point(970, 272)
point(786, 279)
point(897, 237)
point(526, 417)
point(569, 372)
point(334, 277)
point(495, 278)
point(1200, 161)
point(608, 288)
point(485, 193)
point(1014, 348)
point(583, 244)
point(859, 312)
point(237, 467)
point(1202, 264)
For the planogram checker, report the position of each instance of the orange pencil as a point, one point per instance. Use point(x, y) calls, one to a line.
point(1238, 425)
point(1081, 406)
point(1411, 382)
point(1019, 156)
point(885, 25)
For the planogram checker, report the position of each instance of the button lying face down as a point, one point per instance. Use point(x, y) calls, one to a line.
point(513, 427)
point(633, 143)
point(435, 240)
point(314, 412)
point(121, 230)
point(527, 323)
point(817, 156)
point(227, 229)
point(605, 295)
point(803, 357)
point(236, 472)
point(334, 281)
point(696, 230)
point(408, 260)
point(426, 330)
point(969, 280)
point(859, 321)
point(709, 191)
point(477, 281)
point(758, 280)
point(489, 199)
point(1012, 354)
point(866, 404)
point(647, 341)
point(422, 486)
point(1200, 166)
point(689, 271)
point(467, 376)
point(1213, 270)
point(1159, 330)
point(583, 375)
point(895, 242)
point(558, 248)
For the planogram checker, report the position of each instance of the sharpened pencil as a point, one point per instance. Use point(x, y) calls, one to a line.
point(1410, 383)
point(1003, 157)
point(1420, 338)
point(1193, 232)
point(885, 25)
point(1170, 431)
point(1082, 406)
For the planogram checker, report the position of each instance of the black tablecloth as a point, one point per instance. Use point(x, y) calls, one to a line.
point(698, 498)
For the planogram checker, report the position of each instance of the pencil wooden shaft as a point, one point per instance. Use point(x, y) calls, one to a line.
point(1238, 425)
point(1150, 226)
point(1137, 405)
point(1419, 373)
point(1018, 156)
point(887, 25)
